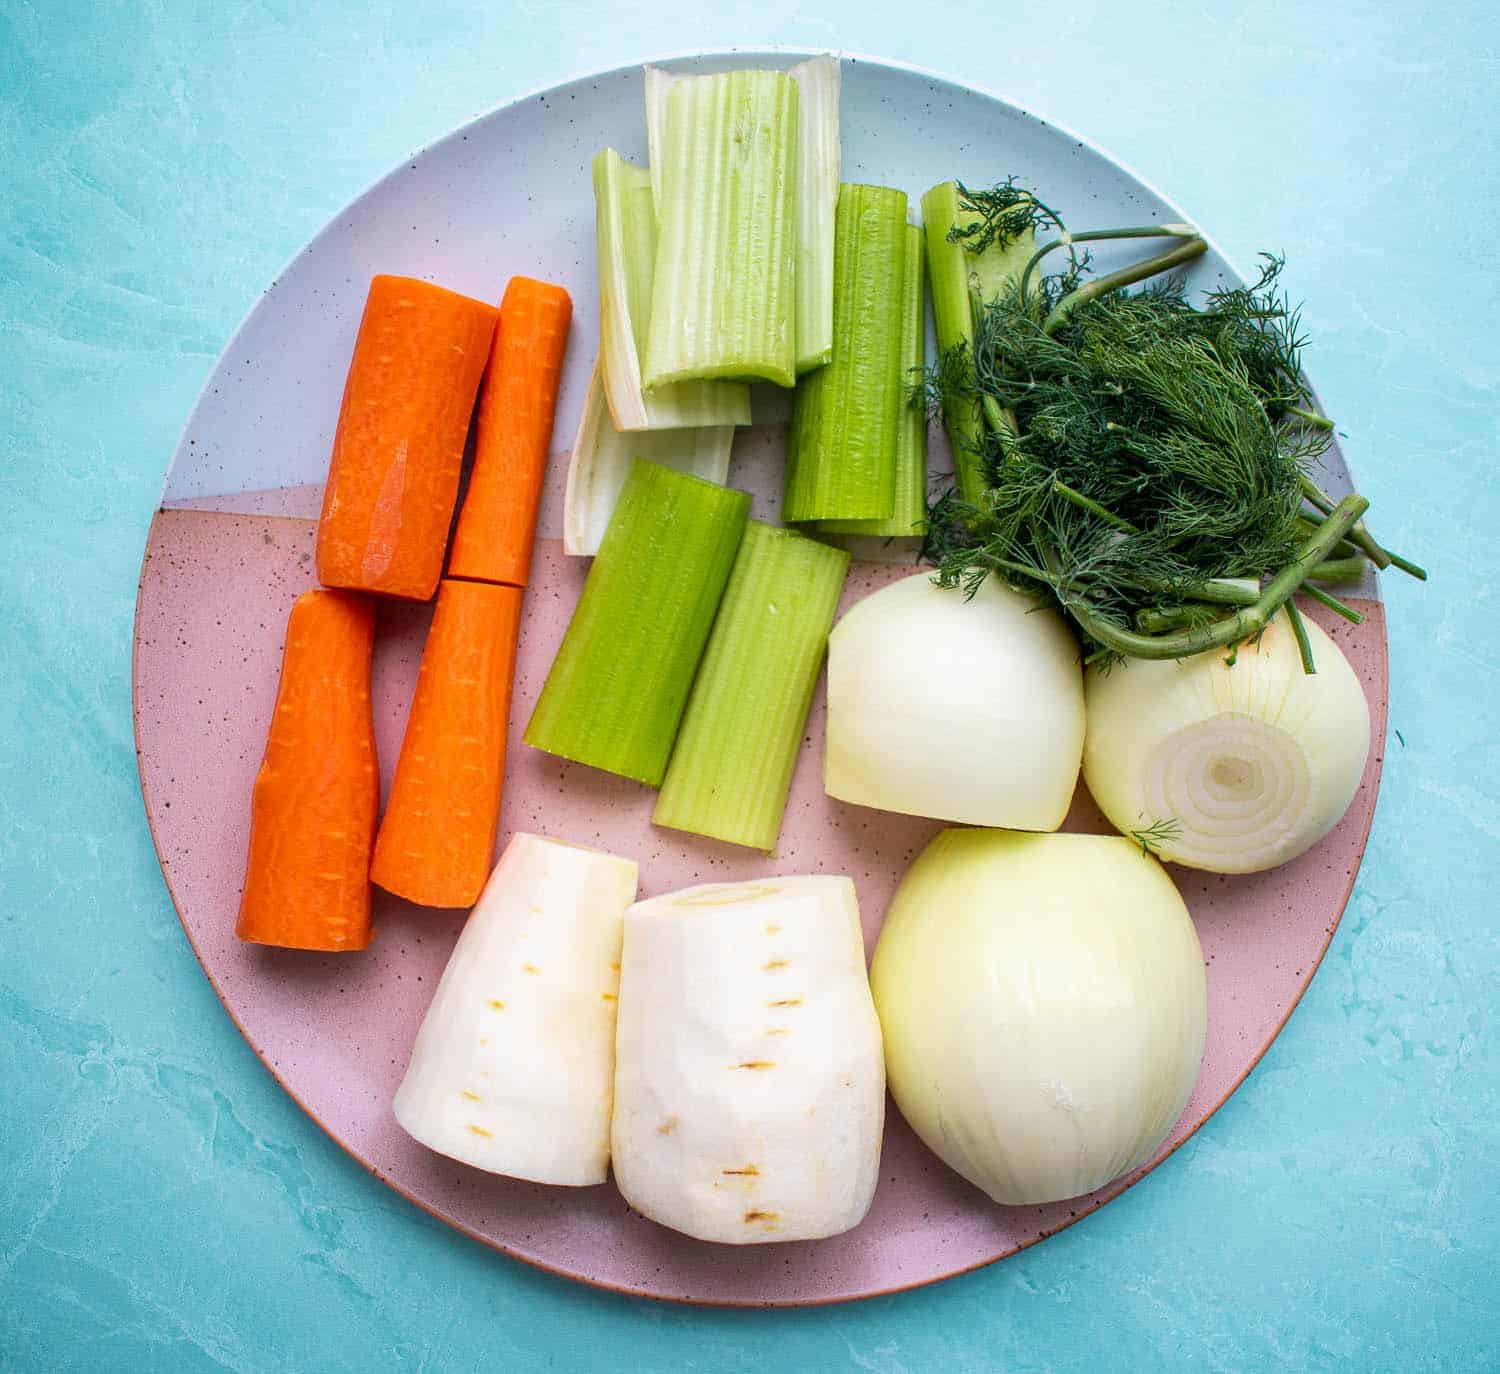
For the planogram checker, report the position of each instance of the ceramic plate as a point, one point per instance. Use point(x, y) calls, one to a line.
point(232, 546)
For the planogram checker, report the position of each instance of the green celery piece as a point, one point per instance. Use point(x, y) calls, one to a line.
point(617, 688)
point(841, 448)
point(659, 81)
point(742, 731)
point(723, 302)
point(952, 271)
point(625, 228)
point(910, 516)
point(601, 460)
point(817, 200)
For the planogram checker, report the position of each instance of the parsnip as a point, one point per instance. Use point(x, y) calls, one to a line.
point(513, 1068)
point(749, 1081)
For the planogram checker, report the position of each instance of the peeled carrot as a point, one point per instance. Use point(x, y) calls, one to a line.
point(437, 838)
point(399, 445)
point(497, 524)
point(312, 812)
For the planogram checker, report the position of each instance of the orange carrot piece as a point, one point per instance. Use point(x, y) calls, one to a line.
point(497, 524)
point(399, 445)
point(436, 844)
point(316, 796)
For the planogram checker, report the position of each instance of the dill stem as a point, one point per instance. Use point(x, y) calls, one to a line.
point(1359, 535)
point(1299, 630)
point(1126, 276)
point(1337, 569)
point(1132, 231)
point(1332, 602)
point(1244, 623)
point(1155, 620)
point(1219, 591)
point(1311, 417)
point(1093, 507)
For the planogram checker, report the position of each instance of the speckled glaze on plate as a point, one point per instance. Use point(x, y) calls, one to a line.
point(232, 547)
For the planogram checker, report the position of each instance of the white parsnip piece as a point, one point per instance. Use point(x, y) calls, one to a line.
point(513, 1068)
point(749, 1079)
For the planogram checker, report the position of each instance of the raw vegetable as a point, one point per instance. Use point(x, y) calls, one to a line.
point(602, 457)
point(961, 270)
point(1238, 768)
point(393, 477)
point(513, 1069)
point(841, 449)
point(625, 227)
point(616, 691)
point(437, 837)
point(817, 196)
point(742, 730)
point(1044, 1008)
point(966, 712)
point(723, 301)
point(909, 516)
point(749, 1084)
point(497, 522)
point(1135, 449)
point(312, 812)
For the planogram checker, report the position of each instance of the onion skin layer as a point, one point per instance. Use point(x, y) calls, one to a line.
point(1248, 765)
point(1044, 1008)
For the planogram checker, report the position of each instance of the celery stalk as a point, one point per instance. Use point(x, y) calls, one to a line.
point(723, 302)
point(658, 82)
point(953, 271)
point(817, 198)
point(601, 461)
point(841, 449)
point(910, 515)
point(625, 227)
point(742, 730)
point(616, 690)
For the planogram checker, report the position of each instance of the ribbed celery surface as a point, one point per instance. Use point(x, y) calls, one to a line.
point(910, 515)
point(841, 449)
point(625, 229)
point(616, 691)
point(602, 457)
point(723, 303)
point(952, 271)
point(817, 200)
point(743, 727)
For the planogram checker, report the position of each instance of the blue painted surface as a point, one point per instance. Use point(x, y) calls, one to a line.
point(163, 1206)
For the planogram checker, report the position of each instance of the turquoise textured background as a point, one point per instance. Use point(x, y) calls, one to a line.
point(164, 1207)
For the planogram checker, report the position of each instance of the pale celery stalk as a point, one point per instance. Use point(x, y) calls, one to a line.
point(742, 731)
point(953, 273)
point(601, 461)
point(841, 448)
point(723, 303)
point(658, 82)
point(625, 227)
point(910, 515)
point(817, 198)
point(616, 690)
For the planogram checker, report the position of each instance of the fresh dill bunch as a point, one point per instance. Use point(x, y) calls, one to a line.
point(1136, 449)
point(1005, 211)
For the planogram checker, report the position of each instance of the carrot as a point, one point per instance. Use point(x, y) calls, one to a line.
point(437, 839)
point(497, 523)
point(312, 812)
point(393, 477)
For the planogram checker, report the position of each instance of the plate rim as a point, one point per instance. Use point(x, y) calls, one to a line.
point(777, 52)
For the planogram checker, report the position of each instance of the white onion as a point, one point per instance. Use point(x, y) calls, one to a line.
point(1043, 1003)
point(1243, 766)
point(966, 710)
